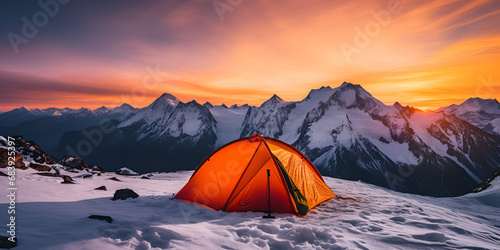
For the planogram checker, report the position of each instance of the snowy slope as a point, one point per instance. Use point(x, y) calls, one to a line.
point(298, 114)
point(51, 215)
point(345, 131)
point(483, 113)
point(152, 119)
point(229, 122)
point(353, 135)
point(268, 119)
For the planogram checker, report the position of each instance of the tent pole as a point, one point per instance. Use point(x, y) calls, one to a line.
point(268, 216)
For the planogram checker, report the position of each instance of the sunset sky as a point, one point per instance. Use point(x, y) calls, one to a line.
point(425, 54)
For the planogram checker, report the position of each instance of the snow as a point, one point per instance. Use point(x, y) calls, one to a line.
point(420, 122)
point(321, 131)
point(192, 124)
point(496, 125)
point(488, 106)
point(299, 113)
point(228, 123)
point(349, 97)
point(50, 215)
point(156, 113)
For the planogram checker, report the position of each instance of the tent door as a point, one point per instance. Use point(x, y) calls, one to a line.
point(298, 198)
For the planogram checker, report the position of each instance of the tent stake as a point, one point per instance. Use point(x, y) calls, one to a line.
point(268, 216)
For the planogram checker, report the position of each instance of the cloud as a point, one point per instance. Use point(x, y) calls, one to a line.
point(260, 48)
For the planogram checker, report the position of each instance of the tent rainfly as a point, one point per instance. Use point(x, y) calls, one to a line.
point(259, 174)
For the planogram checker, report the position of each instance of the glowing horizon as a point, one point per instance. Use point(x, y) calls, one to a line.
point(425, 54)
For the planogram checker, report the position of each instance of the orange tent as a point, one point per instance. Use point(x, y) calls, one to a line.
point(235, 178)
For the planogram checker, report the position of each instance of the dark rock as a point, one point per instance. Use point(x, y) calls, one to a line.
point(98, 168)
point(67, 179)
point(3, 174)
point(4, 159)
point(124, 194)
point(6, 243)
point(32, 149)
point(486, 184)
point(126, 171)
point(101, 188)
point(37, 153)
point(39, 167)
point(114, 179)
point(145, 177)
point(48, 174)
point(98, 174)
point(101, 217)
point(72, 161)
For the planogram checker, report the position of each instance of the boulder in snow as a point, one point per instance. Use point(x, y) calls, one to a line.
point(126, 171)
point(114, 179)
point(102, 217)
point(72, 161)
point(6, 243)
point(101, 188)
point(98, 168)
point(123, 194)
point(4, 159)
point(67, 179)
point(84, 176)
point(40, 167)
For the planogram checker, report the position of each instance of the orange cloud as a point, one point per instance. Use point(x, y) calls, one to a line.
point(426, 54)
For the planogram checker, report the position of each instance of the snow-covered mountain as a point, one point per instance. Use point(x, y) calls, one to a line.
point(345, 131)
point(46, 126)
point(167, 135)
point(348, 133)
point(19, 115)
point(481, 113)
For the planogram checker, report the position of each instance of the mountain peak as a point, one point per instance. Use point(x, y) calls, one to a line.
point(275, 99)
point(170, 99)
point(165, 99)
point(126, 105)
point(322, 93)
point(193, 102)
point(208, 105)
point(347, 84)
point(397, 105)
point(102, 109)
point(480, 101)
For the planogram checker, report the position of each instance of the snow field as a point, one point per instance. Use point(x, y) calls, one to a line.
point(51, 215)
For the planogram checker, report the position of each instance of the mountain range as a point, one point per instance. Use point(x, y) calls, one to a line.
point(344, 131)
